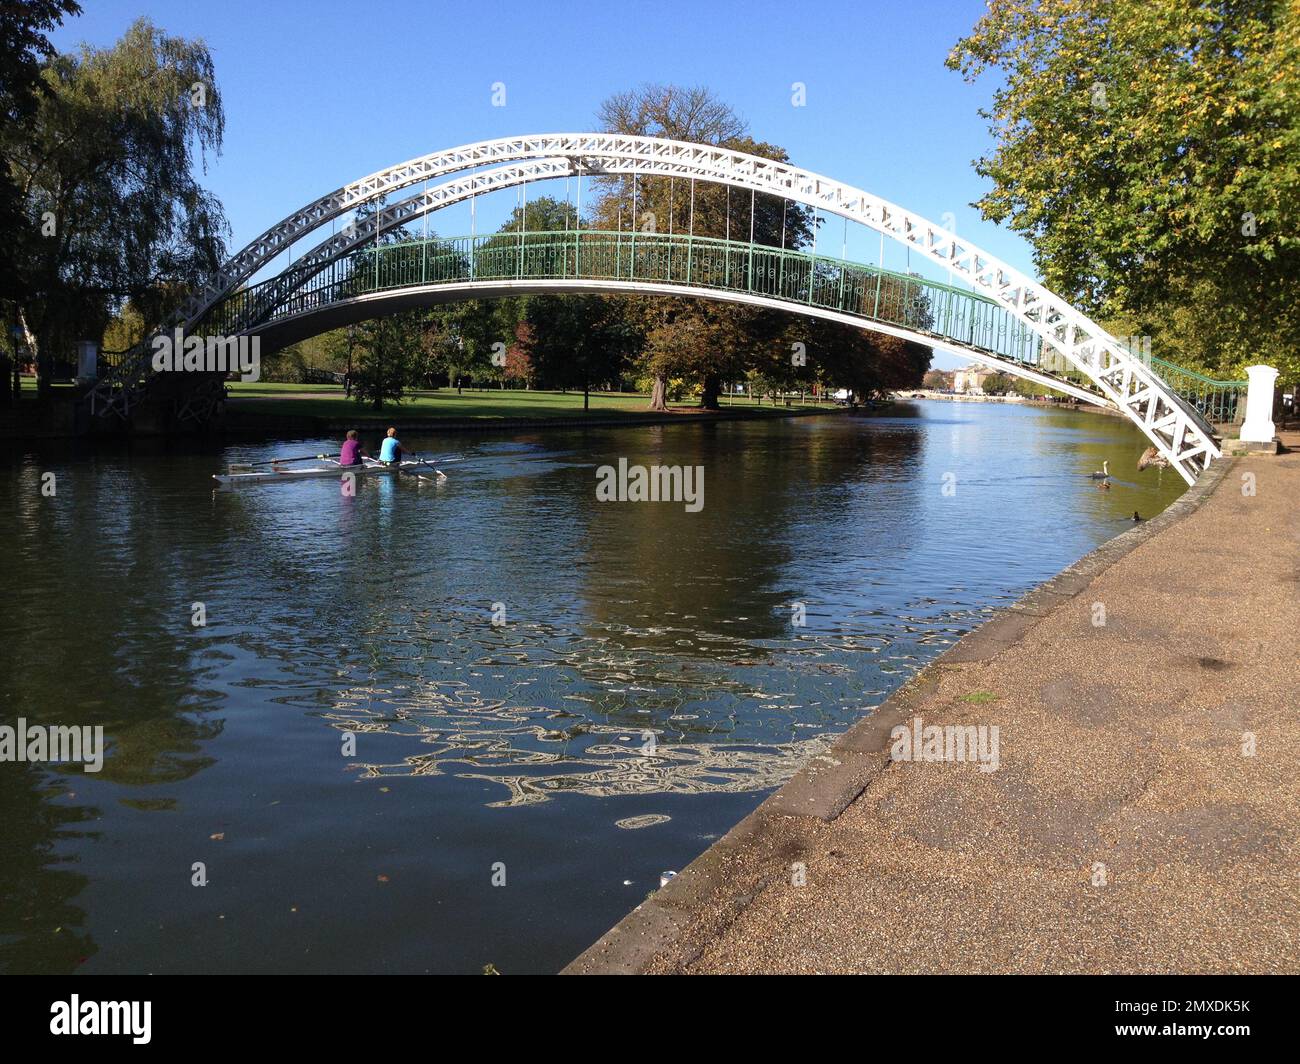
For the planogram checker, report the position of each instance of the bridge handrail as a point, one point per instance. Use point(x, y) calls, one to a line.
point(996, 326)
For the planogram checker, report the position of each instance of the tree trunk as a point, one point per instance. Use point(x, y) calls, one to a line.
point(709, 393)
point(44, 369)
point(586, 393)
point(659, 394)
point(38, 350)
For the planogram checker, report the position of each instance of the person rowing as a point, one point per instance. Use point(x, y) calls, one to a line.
point(391, 450)
point(352, 452)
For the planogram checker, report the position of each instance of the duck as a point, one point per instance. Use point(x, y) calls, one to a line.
point(1152, 457)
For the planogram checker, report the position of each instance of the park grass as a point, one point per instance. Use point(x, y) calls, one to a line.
point(328, 401)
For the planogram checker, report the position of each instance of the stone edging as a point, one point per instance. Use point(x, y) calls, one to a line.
point(830, 782)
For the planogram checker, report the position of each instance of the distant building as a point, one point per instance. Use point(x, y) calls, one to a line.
point(971, 379)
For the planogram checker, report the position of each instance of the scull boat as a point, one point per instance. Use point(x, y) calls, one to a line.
point(331, 470)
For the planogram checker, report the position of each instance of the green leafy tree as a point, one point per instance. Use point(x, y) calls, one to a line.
point(386, 358)
point(712, 338)
point(998, 384)
point(24, 49)
point(1150, 151)
point(106, 169)
point(577, 341)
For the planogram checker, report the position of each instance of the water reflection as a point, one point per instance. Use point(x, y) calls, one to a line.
point(648, 667)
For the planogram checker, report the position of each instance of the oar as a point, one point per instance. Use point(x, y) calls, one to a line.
point(434, 468)
point(375, 463)
point(421, 476)
point(279, 461)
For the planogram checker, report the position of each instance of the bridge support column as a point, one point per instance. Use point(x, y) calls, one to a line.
point(1258, 426)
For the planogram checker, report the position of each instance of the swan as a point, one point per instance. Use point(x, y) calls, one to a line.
point(1104, 474)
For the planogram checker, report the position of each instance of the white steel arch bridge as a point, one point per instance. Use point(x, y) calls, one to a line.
point(1005, 319)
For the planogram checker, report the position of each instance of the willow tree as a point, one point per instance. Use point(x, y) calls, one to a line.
point(106, 169)
point(704, 341)
point(1150, 152)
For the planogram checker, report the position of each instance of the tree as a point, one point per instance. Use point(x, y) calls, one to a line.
point(998, 384)
point(575, 341)
point(1032, 390)
point(867, 363)
point(106, 174)
point(386, 357)
point(937, 381)
point(519, 364)
point(24, 48)
point(1150, 151)
point(711, 339)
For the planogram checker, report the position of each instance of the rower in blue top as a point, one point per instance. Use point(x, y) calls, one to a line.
point(391, 450)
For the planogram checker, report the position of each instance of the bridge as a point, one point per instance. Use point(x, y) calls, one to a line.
point(1002, 318)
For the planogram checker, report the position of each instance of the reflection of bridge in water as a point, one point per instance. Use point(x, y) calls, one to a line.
point(1005, 318)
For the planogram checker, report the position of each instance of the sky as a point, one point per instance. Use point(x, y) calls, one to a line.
point(318, 94)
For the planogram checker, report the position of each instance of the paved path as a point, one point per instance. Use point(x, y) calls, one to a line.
point(1124, 831)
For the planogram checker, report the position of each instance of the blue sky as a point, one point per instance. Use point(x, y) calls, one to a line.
point(318, 94)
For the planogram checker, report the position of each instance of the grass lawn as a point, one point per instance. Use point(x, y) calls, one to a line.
point(327, 400)
point(28, 384)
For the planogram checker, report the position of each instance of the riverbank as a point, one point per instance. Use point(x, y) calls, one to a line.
point(1142, 817)
point(269, 410)
point(1015, 400)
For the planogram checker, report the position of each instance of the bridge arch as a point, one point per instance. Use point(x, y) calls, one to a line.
point(1124, 379)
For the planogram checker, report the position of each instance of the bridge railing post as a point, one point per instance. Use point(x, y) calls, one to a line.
point(1258, 426)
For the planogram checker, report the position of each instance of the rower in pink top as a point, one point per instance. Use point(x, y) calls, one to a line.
point(352, 452)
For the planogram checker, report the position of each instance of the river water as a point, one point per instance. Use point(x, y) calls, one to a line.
point(351, 767)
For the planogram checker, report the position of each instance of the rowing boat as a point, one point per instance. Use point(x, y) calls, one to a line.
point(331, 470)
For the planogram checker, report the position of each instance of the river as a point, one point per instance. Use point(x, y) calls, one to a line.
point(350, 767)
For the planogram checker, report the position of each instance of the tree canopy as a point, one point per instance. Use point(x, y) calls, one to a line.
point(1150, 151)
point(106, 169)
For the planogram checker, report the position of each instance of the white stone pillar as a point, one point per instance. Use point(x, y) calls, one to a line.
point(1258, 426)
point(87, 360)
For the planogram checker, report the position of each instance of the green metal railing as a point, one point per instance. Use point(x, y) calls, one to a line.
point(908, 301)
point(930, 308)
point(1219, 402)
